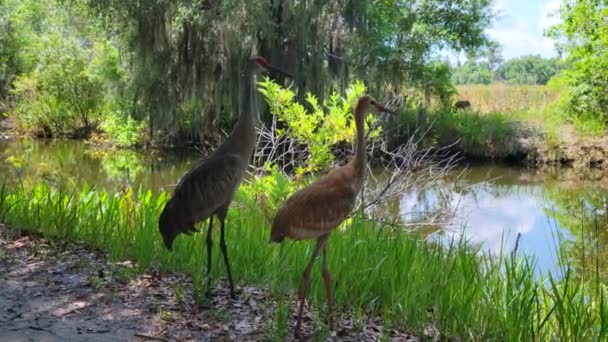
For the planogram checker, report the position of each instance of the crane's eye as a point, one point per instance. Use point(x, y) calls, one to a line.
point(373, 102)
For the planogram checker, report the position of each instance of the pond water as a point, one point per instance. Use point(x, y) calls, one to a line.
point(560, 214)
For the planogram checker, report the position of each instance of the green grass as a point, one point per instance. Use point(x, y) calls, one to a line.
point(507, 135)
point(500, 112)
point(478, 135)
point(475, 130)
point(375, 270)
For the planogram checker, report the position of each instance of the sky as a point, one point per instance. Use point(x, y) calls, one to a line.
point(520, 25)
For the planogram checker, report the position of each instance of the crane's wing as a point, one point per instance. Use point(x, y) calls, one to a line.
point(209, 185)
point(315, 210)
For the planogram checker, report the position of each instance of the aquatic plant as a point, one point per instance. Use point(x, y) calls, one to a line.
point(409, 281)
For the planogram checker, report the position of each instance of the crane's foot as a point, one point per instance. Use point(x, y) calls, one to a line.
point(330, 321)
point(235, 293)
point(330, 317)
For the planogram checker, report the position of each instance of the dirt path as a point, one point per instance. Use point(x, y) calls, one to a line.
point(72, 293)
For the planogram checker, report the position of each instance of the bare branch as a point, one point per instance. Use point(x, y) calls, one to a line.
point(406, 169)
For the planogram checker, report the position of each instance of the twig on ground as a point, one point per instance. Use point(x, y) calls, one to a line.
point(150, 337)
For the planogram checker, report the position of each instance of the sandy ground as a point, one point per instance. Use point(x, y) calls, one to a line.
point(51, 292)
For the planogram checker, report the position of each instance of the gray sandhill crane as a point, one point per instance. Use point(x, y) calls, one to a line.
point(316, 210)
point(208, 188)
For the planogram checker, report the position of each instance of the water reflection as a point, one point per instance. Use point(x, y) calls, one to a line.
point(538, 205)
point(493, 204)
point(583, 213)
point(72, 162)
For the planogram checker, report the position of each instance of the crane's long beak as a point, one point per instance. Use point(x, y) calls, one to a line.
point(275, 70)
point(383, 109)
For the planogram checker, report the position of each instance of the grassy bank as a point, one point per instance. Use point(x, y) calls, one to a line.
point(376, 272)
point(525, 124)
point(519, 123)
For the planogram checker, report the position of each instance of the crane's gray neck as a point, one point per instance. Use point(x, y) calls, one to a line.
point(242, 138)
point(247, 102)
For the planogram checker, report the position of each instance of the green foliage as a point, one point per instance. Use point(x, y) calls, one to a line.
point(480, 66)
point(73, 64)
point(187, 84)
point(396, 42)
point(60, 94)
point(585, 40)
point(589, 125)
point(280, 323)
point(410, 281)
point(473, 72)
point(9, 48)
point(531, 69)
point(269, 192)
point(122, 165)
point(583, 211)
point(123, 130)
point(475, 131)
point(67, 73)
point(323, 127)
point(477, 135)
point(439, 84)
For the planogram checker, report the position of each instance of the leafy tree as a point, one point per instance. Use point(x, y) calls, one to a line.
point(176, 64)
point(486, 67)
point(473, 72)
point(531, 69)
point(188, 55)
point(584, 33)
point(493, 54)
point(70, 73)
point(439, 83)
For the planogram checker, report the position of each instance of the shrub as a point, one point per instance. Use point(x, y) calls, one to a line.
point(326, 125)
point(123, 130)
point(71, 76)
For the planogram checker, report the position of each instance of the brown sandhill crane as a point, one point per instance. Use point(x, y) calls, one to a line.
point(316, 210)
point(208, 188)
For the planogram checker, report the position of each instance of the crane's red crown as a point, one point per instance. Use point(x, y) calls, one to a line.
point(262, 61)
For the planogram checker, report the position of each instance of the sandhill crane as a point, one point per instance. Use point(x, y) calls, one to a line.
point(208, 188)
point(316, 210)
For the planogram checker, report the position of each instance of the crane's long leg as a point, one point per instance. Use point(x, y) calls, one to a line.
point(327, 283)
point(306, 281)
point(209, 250)
point(222, 216)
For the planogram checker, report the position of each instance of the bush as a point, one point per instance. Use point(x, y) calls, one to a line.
point(123, 130)
point(325, 126)
point(71, 76)
point(530, 69)
point(585, 30)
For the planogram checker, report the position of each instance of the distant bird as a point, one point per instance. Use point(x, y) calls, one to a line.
point(208, 188)
point(316, 210)
point(462, 104)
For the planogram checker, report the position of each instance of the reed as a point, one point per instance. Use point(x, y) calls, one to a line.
point(377, 271)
